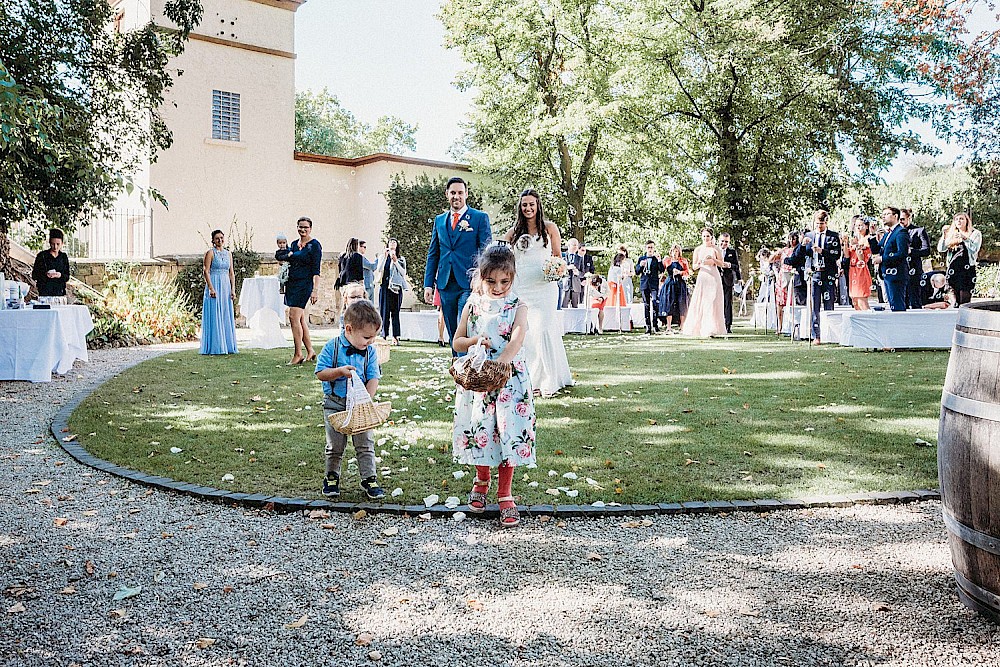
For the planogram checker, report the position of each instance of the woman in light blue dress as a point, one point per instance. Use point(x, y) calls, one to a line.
point(218, 321)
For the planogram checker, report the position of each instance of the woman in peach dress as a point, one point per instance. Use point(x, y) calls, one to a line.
point(705, 316)
point(859, 253)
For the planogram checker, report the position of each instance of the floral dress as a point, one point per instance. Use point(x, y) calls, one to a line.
point(497, 426)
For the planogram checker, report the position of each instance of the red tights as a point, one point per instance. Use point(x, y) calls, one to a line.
point(506, 481)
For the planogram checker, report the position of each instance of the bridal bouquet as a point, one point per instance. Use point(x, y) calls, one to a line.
point(554, 269)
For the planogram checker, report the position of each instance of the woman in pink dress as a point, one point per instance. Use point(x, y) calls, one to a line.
point(705, 313)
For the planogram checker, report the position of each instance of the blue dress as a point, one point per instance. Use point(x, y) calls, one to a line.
point(674, 294)
point(304, 263)
point(218, 321)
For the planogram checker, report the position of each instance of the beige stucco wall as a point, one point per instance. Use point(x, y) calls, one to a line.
point(256, 180)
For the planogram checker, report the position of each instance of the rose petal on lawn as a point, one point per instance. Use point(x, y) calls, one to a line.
point(204, 642)
point(18, 608)
point(199, 585)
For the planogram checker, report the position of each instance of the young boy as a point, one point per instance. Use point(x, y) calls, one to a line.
point(350, 351)
point(283, 267)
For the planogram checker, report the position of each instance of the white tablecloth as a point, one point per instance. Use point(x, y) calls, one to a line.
point(616, 318)
point(419, 325)
point(261, 292)
point(765, 315)
point(908, 329)
point(36, 343)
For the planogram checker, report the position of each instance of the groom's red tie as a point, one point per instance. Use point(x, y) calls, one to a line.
point(454, 219)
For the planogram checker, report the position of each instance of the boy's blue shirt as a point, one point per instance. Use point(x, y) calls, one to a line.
point(326, 360)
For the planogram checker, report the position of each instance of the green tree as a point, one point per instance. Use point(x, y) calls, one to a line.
point(324, 127)
point(545, 111)
point(677, 111)
point(79, 107)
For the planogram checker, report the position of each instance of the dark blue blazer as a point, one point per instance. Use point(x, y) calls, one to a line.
point(895, 251)
point(649, 268)
point(453, 252)
point(831, 251)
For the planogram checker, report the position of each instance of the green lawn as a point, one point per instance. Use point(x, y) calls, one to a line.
point(649, 420)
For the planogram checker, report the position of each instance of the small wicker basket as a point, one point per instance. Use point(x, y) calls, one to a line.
point(361, 413)
point(382, 350)
point(363, 417)
point(476, 373)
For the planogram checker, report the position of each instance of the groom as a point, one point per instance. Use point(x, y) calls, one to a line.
point(458, 235)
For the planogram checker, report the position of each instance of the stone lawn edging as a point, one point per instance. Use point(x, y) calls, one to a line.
point(75, 448)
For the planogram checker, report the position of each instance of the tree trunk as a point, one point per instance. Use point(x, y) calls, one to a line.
point(5, 264)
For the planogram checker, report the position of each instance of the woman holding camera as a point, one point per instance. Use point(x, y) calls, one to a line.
point(391, 273)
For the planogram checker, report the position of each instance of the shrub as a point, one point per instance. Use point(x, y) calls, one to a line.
point(191, 280)
point(987, 281)
point(137, 308)
point(412, 209)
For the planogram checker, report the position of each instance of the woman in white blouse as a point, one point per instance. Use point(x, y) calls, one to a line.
point(961, 242)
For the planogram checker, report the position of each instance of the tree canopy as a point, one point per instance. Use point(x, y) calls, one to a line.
point(79, 104)
point(735, 112)
point(324, 127)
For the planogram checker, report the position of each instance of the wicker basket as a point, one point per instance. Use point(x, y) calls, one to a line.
point(363, 418)
point(382, 351)
point(488, 377)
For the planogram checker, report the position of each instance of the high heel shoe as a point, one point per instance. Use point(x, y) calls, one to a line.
point(440, 343)
point(295, 363)
point(311, 356)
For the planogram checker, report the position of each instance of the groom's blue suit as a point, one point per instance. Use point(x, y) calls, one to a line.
point(451, 258)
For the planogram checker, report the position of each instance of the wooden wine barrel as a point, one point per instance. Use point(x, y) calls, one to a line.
point(969, 456)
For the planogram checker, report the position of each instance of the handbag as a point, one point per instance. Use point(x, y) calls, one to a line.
point(477, 372)
point(361, 413)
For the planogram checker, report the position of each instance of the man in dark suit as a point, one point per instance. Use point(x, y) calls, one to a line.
point(920, 247)
point(457, 237)
point(649, 268)
point(578, 265)
point(891, 260)
point(824, 260)
point(730, 270)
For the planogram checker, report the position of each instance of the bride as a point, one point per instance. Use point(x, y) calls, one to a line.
point(705, 313)
point(534, 240)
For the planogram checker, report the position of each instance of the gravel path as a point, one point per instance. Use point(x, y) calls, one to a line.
point(861, 586)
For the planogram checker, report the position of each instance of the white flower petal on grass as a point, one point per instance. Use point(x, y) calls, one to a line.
point(228, 477)
point(431, 500)
point(552, 492)
point(553, 473)
point(176, 450)
point(533, 484)
point(597, 503)
point(451, 502)
point(569, 475)
point(592, 481)
point(572, 493)
point(397, 492)
point(458, 474)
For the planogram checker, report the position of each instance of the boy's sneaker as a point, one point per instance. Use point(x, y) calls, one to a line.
point(331, 486)
point(372, 489)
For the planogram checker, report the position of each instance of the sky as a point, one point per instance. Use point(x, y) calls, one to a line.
point(387, 57)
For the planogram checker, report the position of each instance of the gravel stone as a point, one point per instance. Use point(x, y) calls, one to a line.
point(862, 585)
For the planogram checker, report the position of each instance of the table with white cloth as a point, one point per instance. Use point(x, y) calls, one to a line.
point(36, 343)
point(803, 314)
point(419, 325)
point(884, 329)
point(616, 318)
point(261, 292)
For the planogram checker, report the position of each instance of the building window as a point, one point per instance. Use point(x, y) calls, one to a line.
point(225, 115)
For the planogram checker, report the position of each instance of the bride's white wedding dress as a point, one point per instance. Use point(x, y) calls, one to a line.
point(543, 345)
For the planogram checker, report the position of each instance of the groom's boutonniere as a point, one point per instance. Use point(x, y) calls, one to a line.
point(463, 225)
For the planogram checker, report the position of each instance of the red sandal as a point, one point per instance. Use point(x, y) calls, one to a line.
point(509, 516)
point(477, 499)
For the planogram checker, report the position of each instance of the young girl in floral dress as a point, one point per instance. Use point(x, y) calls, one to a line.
point(495, 428)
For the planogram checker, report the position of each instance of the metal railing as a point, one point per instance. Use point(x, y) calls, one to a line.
point(120, 234)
